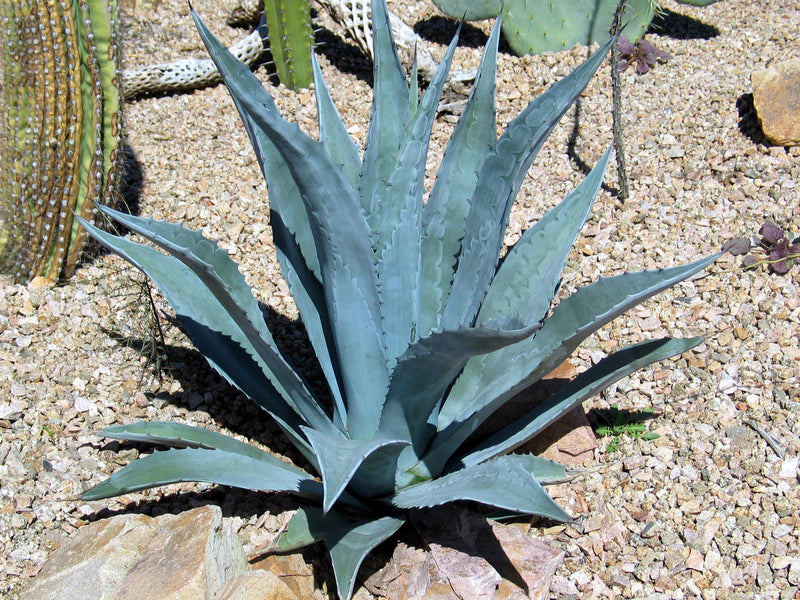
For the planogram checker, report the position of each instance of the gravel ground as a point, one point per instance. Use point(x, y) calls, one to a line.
point(708, 510)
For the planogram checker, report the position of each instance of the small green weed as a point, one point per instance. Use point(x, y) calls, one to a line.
point(618, 422)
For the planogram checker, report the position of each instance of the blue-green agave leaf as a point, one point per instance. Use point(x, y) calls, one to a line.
point(264, 472)
point(347, 261)
point(572, 321)
point(545, 470)
point(349, 549)
point(284, 196)
point(444, 214)
point(595, 379)
point(339, 459)
point(332, 131)
point(526, 281)
point(291, 229)
point(505, 482)
point(499, 180)
point(389, 112)
point(293, 237)
point(428, 367)
point(220, 275)
point(242, 370)
point(348, 541)
point(211, 328)
point(528, 277)
point(309, 296)
point(180, 435)
point(397, 230)
point(210, 263)
point(310, 525)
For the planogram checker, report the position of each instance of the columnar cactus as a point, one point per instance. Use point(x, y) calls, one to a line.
point(290, 40)
point(59, 129)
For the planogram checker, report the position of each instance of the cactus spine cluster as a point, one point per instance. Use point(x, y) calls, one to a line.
point(59, 129)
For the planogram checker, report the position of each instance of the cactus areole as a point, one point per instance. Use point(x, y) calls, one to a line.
point(421, 332)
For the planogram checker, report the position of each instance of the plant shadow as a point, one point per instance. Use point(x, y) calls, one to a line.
point(204, 389)
point(466, 531)
point(126, 197)
point(617, 420)
point(668, 23)
point(749, 125)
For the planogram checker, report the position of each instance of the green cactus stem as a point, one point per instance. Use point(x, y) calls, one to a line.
point(536, 26)
point(291, 38)
point(59, 130)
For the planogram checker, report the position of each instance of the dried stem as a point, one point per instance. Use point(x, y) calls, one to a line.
point(616, 111)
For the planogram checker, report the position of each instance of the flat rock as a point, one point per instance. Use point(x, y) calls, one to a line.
point(256, 585)
point(467, 557)
point(187, 556)
point(293, 571)
point(776, 96)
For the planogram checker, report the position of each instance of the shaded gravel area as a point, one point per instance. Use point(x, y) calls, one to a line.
point(707, 510)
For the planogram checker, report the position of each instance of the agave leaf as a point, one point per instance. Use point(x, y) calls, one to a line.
point(332, 132)
point(284, 194)
point(210, 263)
point(349, 548)
point(308, 526)
point(444, 215)
point(427, 368)
point(265, 472)
point(512, 369)
point(608, 371)
point(221, 277)
point(292, 234)
point(545, 470)
point(348, 269)
point(211, 328)
point(398, 226)
point(244, 372)
point(505, 482)
point(348, 541)
point(389, 112)
point(499, 180)
point(180, 435)
point(339, 459)
point(590, 307)
point(309, 296)
point(527, 279)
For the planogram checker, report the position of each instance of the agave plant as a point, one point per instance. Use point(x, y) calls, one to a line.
point(421, 332)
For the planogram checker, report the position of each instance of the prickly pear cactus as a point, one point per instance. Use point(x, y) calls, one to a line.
point(290, 40)
point(536, 26)
point(470, 10)
point(59, 129)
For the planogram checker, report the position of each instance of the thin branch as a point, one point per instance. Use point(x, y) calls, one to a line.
point(616, 111)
